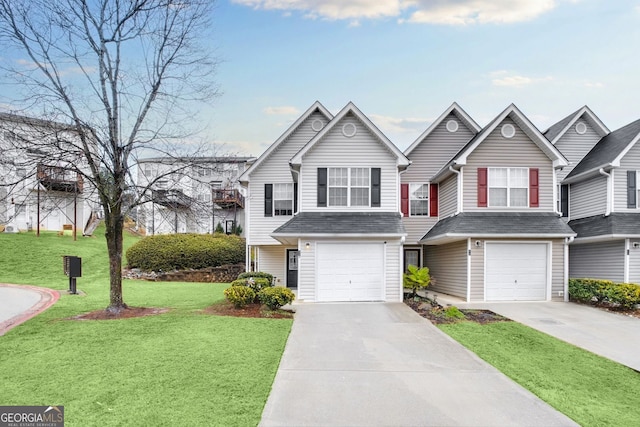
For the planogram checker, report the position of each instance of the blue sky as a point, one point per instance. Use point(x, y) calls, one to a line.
point(403, 62)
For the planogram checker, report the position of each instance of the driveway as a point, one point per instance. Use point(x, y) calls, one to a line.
point(380, 364)
point(611, 335)
point(19, 303)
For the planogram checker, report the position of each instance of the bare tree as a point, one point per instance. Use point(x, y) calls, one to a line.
point(124, 74)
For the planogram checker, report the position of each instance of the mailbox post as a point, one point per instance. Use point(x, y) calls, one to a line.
point(72, 266)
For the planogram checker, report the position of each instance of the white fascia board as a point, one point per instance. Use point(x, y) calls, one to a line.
point(339, 235)
point(601, 128)
point(451, 237)
point(401, 161)
point(316, 106)
point(458, 111)
point(588, 174)
point(618, 159)
point(604, 238)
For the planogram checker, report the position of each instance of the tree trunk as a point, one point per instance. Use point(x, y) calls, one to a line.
point(114, 226)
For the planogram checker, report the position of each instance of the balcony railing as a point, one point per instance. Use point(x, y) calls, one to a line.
point(57, 178)
point(174, 199)
point(227, 198)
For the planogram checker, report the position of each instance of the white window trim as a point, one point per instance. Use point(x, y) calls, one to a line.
point(411, 198)
point(348, 187)
point(508, 187)
point(275, 199)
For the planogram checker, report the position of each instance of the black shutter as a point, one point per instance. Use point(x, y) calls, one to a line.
point(322, 187)
point(375, 187)
point(564, 200)
point(268, 200)
point(631, 189)
point(295, 197)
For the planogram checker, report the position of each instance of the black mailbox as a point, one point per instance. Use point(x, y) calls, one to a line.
point(72, 266)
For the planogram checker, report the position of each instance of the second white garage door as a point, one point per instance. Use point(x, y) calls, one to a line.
point(516, 271)
point(350, 271)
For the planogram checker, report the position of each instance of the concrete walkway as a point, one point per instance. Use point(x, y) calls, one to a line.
point(382, 364)
point(19, 303)
point(611, 335)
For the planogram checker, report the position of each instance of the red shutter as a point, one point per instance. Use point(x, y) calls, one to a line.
point(404, 199)
point(433, 199)
point(482, 187)
point(534, 189)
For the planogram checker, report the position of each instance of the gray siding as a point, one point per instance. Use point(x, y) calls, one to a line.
point(634, 262)
point(575, 146)
point(307, 273)
point(436, 150)
point(477, 273)
point(597, 260)
point(393, 271)
point(557, 269)
point(274, 169)
point(448, 268)
point(361, 150)
point(497, 151)
point(448, 195)
point(417, 227)
point(272, 260)
point(631, 161)
point(588, 198)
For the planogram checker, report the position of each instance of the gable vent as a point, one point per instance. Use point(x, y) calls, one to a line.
point(508, 130)
point(349, 130)
point(581, 128)
point(452, 126)
point(317, 125)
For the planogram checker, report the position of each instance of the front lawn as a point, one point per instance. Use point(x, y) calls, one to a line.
point(592, 390)
point(183, 367)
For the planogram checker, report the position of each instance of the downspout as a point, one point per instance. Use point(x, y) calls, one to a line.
point(607, 211)
point(458, 189)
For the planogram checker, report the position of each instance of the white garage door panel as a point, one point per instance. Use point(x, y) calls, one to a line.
point(350, 272)
point(516, 271)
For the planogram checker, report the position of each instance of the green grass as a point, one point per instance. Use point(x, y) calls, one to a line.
point(179, 368)
point(590, 389)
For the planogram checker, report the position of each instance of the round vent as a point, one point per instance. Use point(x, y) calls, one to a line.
point(349, 130)
point(581, 128)
point(452, 126)
point(317, 125)
point(508, 131)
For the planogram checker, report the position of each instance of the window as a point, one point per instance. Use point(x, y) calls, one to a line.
point(419, 199)
point(283, 199)
point(349, 186)
point(509, 187)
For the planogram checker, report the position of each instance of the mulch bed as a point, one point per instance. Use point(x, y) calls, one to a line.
point(127, 313)
point(437, 314)
point(225, 308)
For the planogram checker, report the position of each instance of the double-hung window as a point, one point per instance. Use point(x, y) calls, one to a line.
point(349, 186)
point(508, 187)
point(419, 199)
point(283, 199)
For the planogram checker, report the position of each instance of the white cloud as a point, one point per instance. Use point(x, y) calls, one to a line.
point(399, 125)
point(281, 111)
point(447, 12)
point(503, 78)
point(593, 84)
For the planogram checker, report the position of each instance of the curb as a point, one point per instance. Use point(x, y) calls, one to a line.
point(48, 297)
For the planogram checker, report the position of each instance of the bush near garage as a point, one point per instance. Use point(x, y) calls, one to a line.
point(185, 251)
point(239, 296)
point(276, 297)
point(256, 284)
point(625, 296)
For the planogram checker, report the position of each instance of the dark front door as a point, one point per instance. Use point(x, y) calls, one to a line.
point(292, 268)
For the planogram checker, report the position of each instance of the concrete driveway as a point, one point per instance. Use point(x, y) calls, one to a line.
point(380, 364)
point(611, 335)
point(19, 303)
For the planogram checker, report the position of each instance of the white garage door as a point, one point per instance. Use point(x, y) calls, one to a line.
point(350, 271)
point(516, 271)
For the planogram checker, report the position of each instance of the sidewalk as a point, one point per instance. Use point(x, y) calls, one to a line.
point(19, 303)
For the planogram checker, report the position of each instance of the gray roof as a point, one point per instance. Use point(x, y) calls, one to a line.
point(555, 129)
point(617, 223)
point(607, 149)
point(347, 223)
point(500, 224)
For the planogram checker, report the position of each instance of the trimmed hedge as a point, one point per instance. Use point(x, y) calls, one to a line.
point(276, 297)
point(605, 292)
point(186, 251)
point(239, 296)
point(255, 275)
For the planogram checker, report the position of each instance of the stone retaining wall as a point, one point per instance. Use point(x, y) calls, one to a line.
point(222, 274)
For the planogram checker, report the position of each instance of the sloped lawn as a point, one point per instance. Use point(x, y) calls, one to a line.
point(183, 367)
point(592, 390)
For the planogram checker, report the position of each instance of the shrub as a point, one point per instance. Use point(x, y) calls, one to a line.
point(184, 251)
point(453, 313)
point(276, 297)
point(257, 284)
point(623, 295)
point(416, 278)
point(239, 296)
point(255, 274)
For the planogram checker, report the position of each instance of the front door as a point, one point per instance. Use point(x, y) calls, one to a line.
point(292, 268)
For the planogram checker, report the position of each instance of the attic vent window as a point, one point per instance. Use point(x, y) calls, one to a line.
point(317, 125)
point(349, 130)
point(581, 128)
point(452, 126)
point(508, 131)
